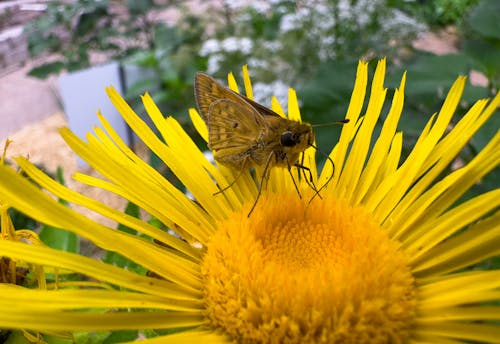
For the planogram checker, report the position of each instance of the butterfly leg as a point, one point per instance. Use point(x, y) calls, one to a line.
point(293, 180)
point(329, 179)
point(234, 180)
point(310, 180)
point(263, 178)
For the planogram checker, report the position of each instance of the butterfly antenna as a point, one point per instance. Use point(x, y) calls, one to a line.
point(344, 121)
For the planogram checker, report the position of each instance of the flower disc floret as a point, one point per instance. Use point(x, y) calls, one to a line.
point(294, 272)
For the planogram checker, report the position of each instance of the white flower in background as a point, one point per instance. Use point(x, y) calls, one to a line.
point(326, 20)
point(266, 91)
point(235, 44)
point(210, 46)
point(235, 4)
point(402, 22)
point(272, 45)
point(263, 7)
point(288, 22)
point(230, 44)
point(245, 45)
point(255, 63)
point(213, 63)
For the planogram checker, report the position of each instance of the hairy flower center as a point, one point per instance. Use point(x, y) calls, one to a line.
point(299, 273)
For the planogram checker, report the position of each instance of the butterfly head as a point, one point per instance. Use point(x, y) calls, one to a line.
point(297, 138)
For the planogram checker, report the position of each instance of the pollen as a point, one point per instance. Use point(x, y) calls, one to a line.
point(295, 272)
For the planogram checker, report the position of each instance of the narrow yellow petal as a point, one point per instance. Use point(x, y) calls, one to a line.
point(276, 107)
point(191, 166)
point(199, 124)
point(478, 243)
point(389, 166)
point(477, 313)
point(182, 147)
point(74, 197)
point(357, 156)
point(413, 204)
point(196, 179)
point(293, 106)
point(47, 210)
point(73, 299)
point(96, 269)
point(384, 188)
point(458, 137)
point(445, 193)
point(420, 338)
point(231, 81)
point(48, 320)
point(474, 332)
point(459, 289)
point(432, 233)
point(191, 336)
point(162, 200)
point(247, 82)
point(393, 158)
point(349, 130)
point(411, 169)
point(377, 161)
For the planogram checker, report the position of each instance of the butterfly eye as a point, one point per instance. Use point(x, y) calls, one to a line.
point(288, 139)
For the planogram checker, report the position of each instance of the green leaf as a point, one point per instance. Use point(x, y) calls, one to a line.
point(166, 38)
point(134, 211)
point(163, 332)
point(20, 220)
point(43, 71)
point(485, 18)
point(87, 22)
point(472, 94)
point(485, 54)
point(486, 132)
point(325, 99)
point(487, 183)
point(121, 337)
point(143, 59)
point(430, 73)
point(142, 86)
point(60, 239)
point(13, 337)
point(325, 96)
point(90, 337)
point(57, 340)
point(17, 337)
point(428, 80)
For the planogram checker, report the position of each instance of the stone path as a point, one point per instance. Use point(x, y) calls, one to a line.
point(25, 100)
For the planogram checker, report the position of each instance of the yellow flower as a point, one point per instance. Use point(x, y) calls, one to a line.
point(380, 257)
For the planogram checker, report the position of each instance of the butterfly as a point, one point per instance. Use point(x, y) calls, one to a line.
point(243, 134)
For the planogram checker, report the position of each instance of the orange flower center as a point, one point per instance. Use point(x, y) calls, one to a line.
point(293, 272)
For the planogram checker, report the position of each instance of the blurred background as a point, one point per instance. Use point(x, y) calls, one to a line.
point(56, 57)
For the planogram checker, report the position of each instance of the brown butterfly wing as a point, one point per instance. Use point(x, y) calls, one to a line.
point(261, 108)
point(207, 90)
point(235, 132)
